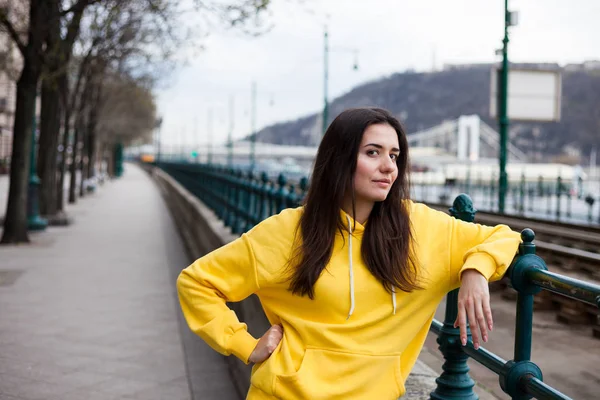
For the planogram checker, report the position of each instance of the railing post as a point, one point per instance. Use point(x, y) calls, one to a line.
point(239, 203)
point(522, 194)
point(263, 196)
point(291, 198)
point(282, 193)
point(569, 205)
point(224, 177)
point(549, 194)
point(558, 195)
point(521, 367)
point(303, 190)
point(455, 382)
point(251, 201)
point(589, 199)
point(492, 191)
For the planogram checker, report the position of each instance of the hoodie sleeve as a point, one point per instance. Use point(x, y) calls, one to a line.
point(232, 273)
point(226, 274)
point(489, 250)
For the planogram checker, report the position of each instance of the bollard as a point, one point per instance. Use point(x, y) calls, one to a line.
point(455, 382)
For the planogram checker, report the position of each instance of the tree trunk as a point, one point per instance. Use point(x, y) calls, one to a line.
point(15, 223)
point(110, 164)
point(60, 200)
point(49, 132)
point(82, 164)
point(91, 131)
point(92, 156)
point(50, 114)
point(73, 168)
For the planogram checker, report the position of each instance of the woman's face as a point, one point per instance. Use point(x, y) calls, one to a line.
point(376, 168)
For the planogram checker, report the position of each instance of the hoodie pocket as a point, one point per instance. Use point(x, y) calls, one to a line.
point(331, 374)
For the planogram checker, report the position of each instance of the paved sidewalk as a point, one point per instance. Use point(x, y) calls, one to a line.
point(89, 311)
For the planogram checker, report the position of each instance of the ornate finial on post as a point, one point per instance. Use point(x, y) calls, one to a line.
point(303, 189)
point(281, 193)
point(264, 178)
point(281, 180)
point(527, 247)
point(462, 208)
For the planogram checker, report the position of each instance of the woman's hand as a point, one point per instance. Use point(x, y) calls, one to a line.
point(267, 344)
point(474, 304)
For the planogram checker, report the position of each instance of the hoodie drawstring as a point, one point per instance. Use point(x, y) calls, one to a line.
point(352, 274)
point(351, 269)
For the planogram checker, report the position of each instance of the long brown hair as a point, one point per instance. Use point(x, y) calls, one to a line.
point(386, 245)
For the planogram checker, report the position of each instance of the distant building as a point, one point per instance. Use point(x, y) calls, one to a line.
point(10, 64)
point(590, 65)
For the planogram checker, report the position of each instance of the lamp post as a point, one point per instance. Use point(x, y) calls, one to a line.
point(326, 75)
point(325, 80)
point(510, 19)
point(230, 135)
point(209, 134)
point(34, 221)
point(253, 127)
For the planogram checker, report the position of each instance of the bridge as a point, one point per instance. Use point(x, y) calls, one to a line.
point(466, 138)
point(90, 311)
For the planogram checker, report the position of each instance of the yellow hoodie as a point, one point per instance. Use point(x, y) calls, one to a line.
point(355, 340)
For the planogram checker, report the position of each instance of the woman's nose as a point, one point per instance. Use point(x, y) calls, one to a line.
point(388, 165)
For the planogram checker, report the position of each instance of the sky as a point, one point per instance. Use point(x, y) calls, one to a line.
point(211, 95)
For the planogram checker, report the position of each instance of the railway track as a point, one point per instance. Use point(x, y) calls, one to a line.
point(567, 249)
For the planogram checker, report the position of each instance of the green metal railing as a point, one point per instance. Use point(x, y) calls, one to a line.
point(242, 200)
point(520, 377)
point(556, 199)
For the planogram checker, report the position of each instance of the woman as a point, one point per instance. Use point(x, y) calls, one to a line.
point(351, 281)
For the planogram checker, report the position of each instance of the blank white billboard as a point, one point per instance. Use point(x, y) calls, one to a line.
point(532, 95)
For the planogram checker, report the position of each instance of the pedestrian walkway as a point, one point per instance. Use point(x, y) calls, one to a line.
point(89, 311)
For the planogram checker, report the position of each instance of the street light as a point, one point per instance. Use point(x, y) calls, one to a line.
point(510, 19)
point(253, 127)
point(326, 74)
point(253, 132)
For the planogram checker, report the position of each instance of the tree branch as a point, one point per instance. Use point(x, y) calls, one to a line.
point(73, 28)
point(80, 5)
point(11, 31)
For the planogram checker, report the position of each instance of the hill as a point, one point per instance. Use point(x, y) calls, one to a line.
point(422, 100)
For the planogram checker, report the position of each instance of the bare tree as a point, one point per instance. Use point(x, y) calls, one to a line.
point(30, 45)
point(64, 25)
point(44, 48)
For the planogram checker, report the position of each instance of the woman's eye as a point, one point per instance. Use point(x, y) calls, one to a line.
point(372, 152)
point(394, 156)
